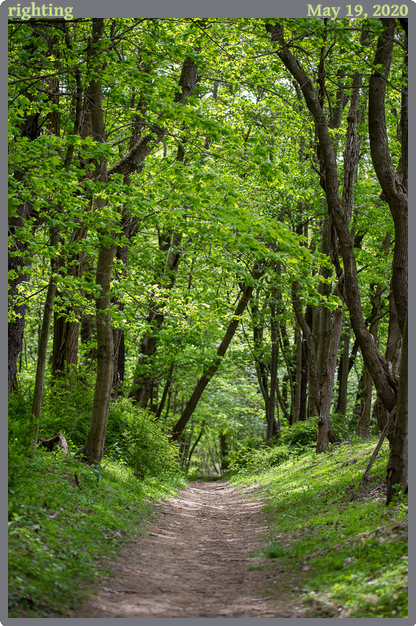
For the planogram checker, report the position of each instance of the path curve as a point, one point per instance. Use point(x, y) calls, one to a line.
point(194, 562)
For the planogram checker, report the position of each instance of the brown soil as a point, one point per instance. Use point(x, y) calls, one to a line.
point(196, 561)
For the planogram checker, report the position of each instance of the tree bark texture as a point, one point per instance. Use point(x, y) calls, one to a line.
point(343, 372)
point(363, 426)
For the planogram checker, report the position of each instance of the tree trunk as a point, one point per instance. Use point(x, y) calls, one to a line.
point(224, 449)
point(343, 372)
point(304, 382)
point(213, 367)
point(43, 345)
point(393, 189)
point(392, 355)
point(169, 243)
point(298, 375)
point(18, 265)
point(165, 391)
point(272, 425)
point(94, 446)
point(362, 428)
point(397, 468)
point(324, 423)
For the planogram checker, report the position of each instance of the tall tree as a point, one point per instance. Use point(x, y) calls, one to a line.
point(383, 379)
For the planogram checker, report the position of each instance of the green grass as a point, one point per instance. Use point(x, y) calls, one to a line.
point(343, 550)
point(62, 535)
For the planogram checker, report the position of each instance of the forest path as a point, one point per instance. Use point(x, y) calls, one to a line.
point(194, 562)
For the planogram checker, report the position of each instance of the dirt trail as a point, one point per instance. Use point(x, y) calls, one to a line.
point(194, 562)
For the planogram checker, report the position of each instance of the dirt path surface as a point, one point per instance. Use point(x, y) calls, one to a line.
point(194, 562)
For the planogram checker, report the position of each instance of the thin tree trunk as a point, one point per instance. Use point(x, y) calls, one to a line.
point(18, 265)
point(43, 345)
point(272, 425)
point(224, 452)
point(324, 423)
point(392, 355)
point(201, 432)
point(298, 375)
point(304, 382)
point(165, 391)
point(213, 367)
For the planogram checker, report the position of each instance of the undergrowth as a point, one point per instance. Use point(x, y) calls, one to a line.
point(67, 521)
point(338, 547)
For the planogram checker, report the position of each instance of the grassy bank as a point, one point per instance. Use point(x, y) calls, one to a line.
point(338, 549)
point(67, 521)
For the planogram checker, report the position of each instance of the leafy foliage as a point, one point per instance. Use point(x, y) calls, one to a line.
point(147, 449)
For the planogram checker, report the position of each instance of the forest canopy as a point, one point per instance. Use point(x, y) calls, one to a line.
point(208, 233)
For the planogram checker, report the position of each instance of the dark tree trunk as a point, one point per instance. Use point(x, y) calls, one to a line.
point(65, 346)
point(169, 244)
point(94, 446)
point(343, 372)
point(165, 391)
point(397, 468)
point(304, 382)
point(224, 449)
point(298, 374)
point(363, 426)
point(273, 429)
point(393, 189)
point(392, 355)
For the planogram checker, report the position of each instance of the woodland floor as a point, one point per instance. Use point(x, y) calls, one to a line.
point(196, 560)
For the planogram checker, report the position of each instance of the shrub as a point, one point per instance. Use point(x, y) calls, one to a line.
point(300, 434)
point(148, 450)
point(250, 458)
point(67, 407)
